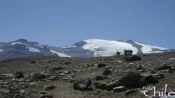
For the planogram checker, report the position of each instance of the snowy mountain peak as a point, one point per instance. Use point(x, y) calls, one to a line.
point(25, 48)
point(107, 47)
point(85, 48)
point(101, 47)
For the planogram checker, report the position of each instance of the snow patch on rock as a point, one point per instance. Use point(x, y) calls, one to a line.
point(146, 48)
point(38, 45)
point(31, 49)
point(60, 54)
point(14, 43)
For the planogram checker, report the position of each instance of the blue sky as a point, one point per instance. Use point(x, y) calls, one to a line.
point(63, 22)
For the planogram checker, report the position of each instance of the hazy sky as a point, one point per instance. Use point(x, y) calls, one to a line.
point(63, 22)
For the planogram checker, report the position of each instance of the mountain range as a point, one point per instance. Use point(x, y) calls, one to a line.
point(85, 48)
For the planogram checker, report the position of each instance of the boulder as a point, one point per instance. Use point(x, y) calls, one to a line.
point(131, 80)
point(150, 78)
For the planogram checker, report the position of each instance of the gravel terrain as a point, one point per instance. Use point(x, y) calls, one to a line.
point(101, 77)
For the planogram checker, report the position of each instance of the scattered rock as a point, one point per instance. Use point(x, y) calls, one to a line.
point(22, 92)
point(67, 63)
point(1, 77)
point(101, 65)
point(100, 77)
point(132, 91)
point(139, 67)
point(56, 69)
point(19, 74)
point(150, 80)
point(100, 85)
point(69, 79)
point(119, 89)
point(32, 62)
point(39, 76)
point(119, 61)
point(53, 78)
point(158, 76)
point(1, 82)
point(49, 87)
point(164, 67)
point(4, 91)
point(43, 92)
point(171, 70)
point(33, 84)
point(108, 67)
point(132, 58)
point(113, 84)
point(62, 74)
point(107, 72)
point(66, 72)
point(153, 70)
point(20, 85)
point(171, 59)
point(46, 96)
point(82, 84)
point(7, 76)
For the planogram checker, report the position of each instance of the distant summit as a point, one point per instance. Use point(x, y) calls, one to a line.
point(21, 40)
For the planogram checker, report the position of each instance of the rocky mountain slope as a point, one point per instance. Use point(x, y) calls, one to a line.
point(92, 77)
point(24, 48)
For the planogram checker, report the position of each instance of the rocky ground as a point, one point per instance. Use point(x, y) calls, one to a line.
point(102, 77)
